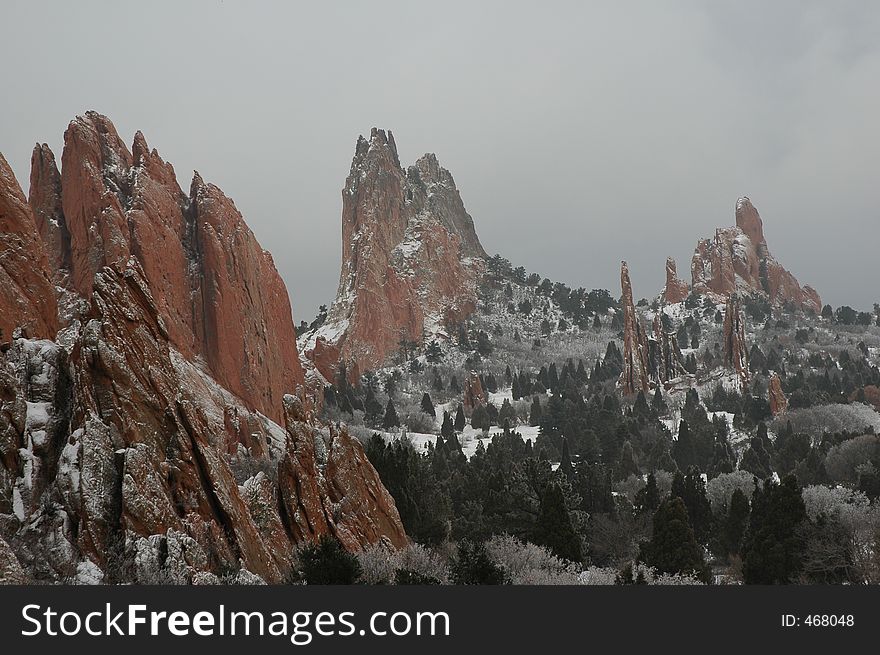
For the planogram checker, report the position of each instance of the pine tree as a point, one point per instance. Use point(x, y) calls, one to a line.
point(428, 406)
point(756, 460)
point(773, 546)
point(554, 527)
point(459, 419)
point(473, 566)
point(648, 497)
point(735, 523)
point(327, 562)
point(390, 420)
point(535, 413)
point(372, 407)
point(640, 407)
point(480, 418)
point(433, 353)
point(673, 547)
point(628, 464)
point(506, 413)
point(447, 430)
point(683, 449)
point(565, 464)
point(658, 404)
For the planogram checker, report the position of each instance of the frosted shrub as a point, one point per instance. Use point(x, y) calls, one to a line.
point(630, 487)
point(818, 420)
point(416, 420)
point(598, 575)
point(380, 562)
point(720, 489)
point(820, 499)
point(418, 559)
point(528, 564)
point(377, 564)
point(843, 459)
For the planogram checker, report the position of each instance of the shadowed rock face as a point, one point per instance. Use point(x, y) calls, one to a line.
point(27, 297)
point(737, 260)
point(635, 375)
point(411, 259)
point(734, 335)
point(776, 396)
point(164, 434)
point(217, 291)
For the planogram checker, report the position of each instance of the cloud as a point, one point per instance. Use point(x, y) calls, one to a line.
point(579, 133)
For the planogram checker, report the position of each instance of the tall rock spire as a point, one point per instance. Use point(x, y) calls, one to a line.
point(411, 259)
point(27, 297)
point(676, 290)
point(635, 375)
point(735, 350)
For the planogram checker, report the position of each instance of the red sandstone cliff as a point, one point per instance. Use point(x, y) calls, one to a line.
point(217, 291)
point(411, 259)
point(27, 297)
point(166, 435)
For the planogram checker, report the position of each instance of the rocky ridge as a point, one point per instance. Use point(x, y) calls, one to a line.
point(163, 433)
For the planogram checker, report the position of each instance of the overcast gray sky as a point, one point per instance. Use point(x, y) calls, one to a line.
point(579, 133)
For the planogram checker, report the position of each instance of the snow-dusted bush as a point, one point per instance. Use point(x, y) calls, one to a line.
point(834, 501)
point(377, 564)
point(818, 420)
point(421, 560)
point(416, 420)
point(843, 459)
point(380, 562)
point(595, 575)
point(598, 575)
point(859, 520)
point(630, 487)
point(529, 564)
point(720, 488)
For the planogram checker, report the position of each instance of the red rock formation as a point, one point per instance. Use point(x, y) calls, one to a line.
point(410, 259)
point(734, 336)
point(676, 290)
point(473, 395)
point(664, 356)
point(738, 260)
point(44, 198)
point(27, 297)
point(134, 460)
point(217, 291)
point(635, 375)
point(776, 396)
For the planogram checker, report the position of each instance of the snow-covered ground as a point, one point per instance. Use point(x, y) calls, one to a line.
point(468, 438)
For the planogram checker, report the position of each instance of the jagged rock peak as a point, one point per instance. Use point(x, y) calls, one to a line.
point(635, 374)
point(676, 290)
point(44, 198)
point(749, 221)
point(737, 260)
point(216, 290)
point(27, 296)
point(411, 259)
